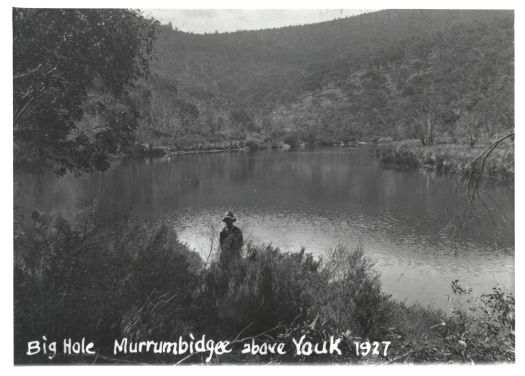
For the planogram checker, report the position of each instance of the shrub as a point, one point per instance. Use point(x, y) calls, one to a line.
point(264, 289)
point(484, 330)
point(353, 299)
point(480, 330)
point(268, 288)
point(292, 139)
point(252, 145)
point(97, 275)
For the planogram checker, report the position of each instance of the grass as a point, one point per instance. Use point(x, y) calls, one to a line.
point(448, 158)
point(107, 274)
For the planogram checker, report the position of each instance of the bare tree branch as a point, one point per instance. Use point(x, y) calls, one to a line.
point(474, 174)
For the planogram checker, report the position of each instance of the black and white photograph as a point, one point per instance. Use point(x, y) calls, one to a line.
point(262, 186)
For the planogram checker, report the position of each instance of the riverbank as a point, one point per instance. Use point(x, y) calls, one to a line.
point(152, 151)
point(448, 158)
point(109, 273)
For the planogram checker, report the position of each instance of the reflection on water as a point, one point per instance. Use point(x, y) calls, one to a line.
point(317, 199)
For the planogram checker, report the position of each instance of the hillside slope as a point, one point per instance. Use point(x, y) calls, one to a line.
point(357, 77)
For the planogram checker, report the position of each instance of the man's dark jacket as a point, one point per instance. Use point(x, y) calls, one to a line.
point(231, 243)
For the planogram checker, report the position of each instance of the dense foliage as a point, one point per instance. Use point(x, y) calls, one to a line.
point(72, 69)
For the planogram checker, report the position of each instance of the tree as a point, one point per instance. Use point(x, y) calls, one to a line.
point(70, 64)
point(187, 112)
point(425, 118)
point(473, 126)
point(499, 110)
point(242, 119)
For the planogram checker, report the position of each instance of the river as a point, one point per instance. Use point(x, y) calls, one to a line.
point(317, 199)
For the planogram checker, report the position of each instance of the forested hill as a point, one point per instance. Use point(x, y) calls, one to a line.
point(351, 78)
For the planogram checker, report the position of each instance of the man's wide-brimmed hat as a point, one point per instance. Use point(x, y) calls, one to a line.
point(229, 217)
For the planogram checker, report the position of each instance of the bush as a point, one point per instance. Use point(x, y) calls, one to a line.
point(252, 145)
point(480, 330)
point(484, 331)
point(97, 276)
point(353, 299)
point(292, 139)
point(264, 289)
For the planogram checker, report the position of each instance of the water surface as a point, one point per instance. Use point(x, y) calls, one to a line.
point(317, 199)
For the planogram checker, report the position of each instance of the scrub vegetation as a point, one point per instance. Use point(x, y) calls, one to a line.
point(108, 274)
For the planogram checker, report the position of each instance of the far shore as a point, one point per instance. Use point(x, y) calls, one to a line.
point(449, 158)
point(151, 151)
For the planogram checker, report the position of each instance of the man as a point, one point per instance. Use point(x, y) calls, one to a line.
point(230, 239)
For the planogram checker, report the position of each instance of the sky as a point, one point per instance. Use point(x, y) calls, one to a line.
point(226, 20)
